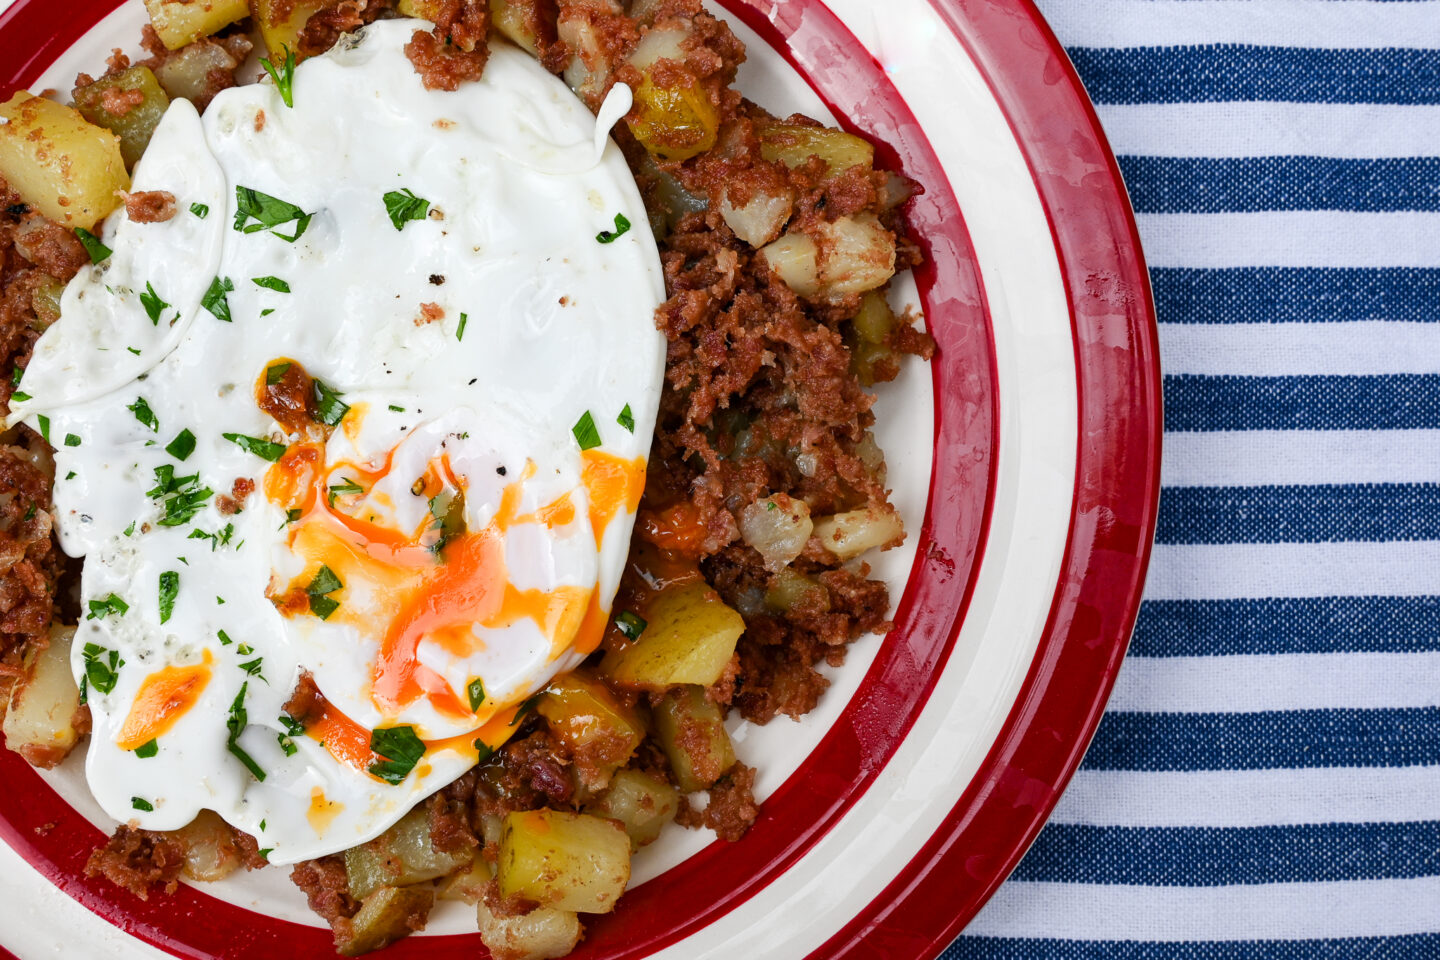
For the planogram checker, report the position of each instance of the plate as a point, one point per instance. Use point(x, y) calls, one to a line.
point(1025, 459)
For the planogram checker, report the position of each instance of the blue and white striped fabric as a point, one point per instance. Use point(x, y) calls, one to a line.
point(1266, 784)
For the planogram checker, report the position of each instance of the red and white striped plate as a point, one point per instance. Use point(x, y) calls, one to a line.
point(1025, 459)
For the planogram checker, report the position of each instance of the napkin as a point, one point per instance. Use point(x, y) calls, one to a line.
point(1266, 782)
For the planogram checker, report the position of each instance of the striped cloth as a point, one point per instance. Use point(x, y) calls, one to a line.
point(1266, 784)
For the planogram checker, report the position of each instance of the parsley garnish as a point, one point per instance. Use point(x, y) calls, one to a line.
point(102, 667)
point(460, 330)
point(268, 213)
point(144, 414)
point(44, 422)
point(626, 419)
point(236, 724)
point(201, 210)
point(329, 408)
point(72, 440)
point(133, 350)
point(586, 433)
point(169, 590)
point(100, 609)
point(267, 311)
point(140, 803)
point(15, 376)
point(397, 409)
point(284, 77)
point(218, 539)
point(224, 637)
point(630, 625)
point(476, 690)
point(271, 283)
point(97, 250)
point(261, 448)
point(484, 750)
point(275, 374)
point(400, 749)
point(622, 226)
point(182, 446)
point(343, 489)
point(214, 299)
point(293, 728)
point(29, 514)
point(403, 206)
point(71, 475)
point(253, 667)
point(325, 582)
point(152, 303)
point(182, 497)
point(19, 396)
point(147, 750)
point(525, 708)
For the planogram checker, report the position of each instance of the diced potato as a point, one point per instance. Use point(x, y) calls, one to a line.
point(690, 638)
point(542, 934)
point(423, 9)
point(850, 255)
point(692, 733)
point(851, 533)
point(672, 123)
point(384, 917)
point(796, 258)
point(45, 301)
point(600, 731)
point(870, 355)
point(138, 122)
point(793, 144)
point(210, 851)
point(528, 24)
point(760, 219)
point(39, 724)
point(185, 76)
point(777, 527)
point(60, 163)
point(178, 22)
point(642, 804)
point(469, 884)
point(401, 855)
point(281, 22)
point(791, 588)
point(567, 861)
point(589, 67)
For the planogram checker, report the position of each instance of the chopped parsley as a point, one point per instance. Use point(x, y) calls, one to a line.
point(214, 299)
point(220, 538)
point(586, 433)
point(329, 408)
point(201, 210)
point(169, 590)
point(344, 489)
point(15, 376)
point(253, 668)
point(71, 475)
point(29, 514)
point(99, 609)
point(525, 708)
point(182, 497)
point(622, 227)
point(324, 583)
point(140, 803)
point(133, 350)
point(476, 690)
point(224, 637)
point(396, 408)
point(44, 422)
point(484, 750)
point(271, 283)
point(72, 440)
point(293, 728)
point(99, 253)
point(626, 419)
point(144, 414)
point(182, 446)
point(630, 625)
point(19, 396)
point(267, 311)
point(152, 303)
point(403, 206)
point(274, 374)
point(236, 724)
point(261, 448)
point(269, 213)
point(148, 749)
point(399, 748)
point(460, 330)
point(102, 667)
point(130, 529)
point(284, 76)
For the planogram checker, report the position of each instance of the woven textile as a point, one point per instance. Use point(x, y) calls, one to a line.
point(1266, 783)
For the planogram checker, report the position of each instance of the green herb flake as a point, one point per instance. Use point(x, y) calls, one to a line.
point(403, 206)
point(267, 311)
point(144, 414)
point(152, 303)
point(344, 489)
point(586, 433)
point(182, 497)
point(99, 609)
point(264, 449)
point(221, 538)
point(71, 475)
point(284, 75)
point(44, 422)
point(224, 637)
point(323, 607)
point(72, 440)
point(325, 582)
point(460, 330)
point(484, 751)
point(626, 419)
point(201, 210)
point(269, 213)
point(622, 227)
point(396, 408)
point(329, 408)
point(400, 749)
point(102, 667)
point(236, 724)
point(525, 708)
point(140, 803)
point(182, 446)
point(271, 283)
point(99, 253)
point(253, 667)
point(214, 299)
point(293, 728)
point(29, 514)
point(630, 625)
point(147, 750)
point(476, 690)
point(19, 396)
point(169, 590)
point(130, 530)
point(133, 350)
point(276, 373)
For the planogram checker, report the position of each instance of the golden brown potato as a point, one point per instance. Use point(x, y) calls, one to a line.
point(850, 534)
point(139, 120)
point(178, 22)
point(522, 23)
point(542, 934)
point(690, 638)
point(566, 861)
point(643, 804)
point(187, 74)
point(281, 21)
point(585, 714)
point(850, 255)
point(793, 144)
point(399, 856)
point(672, 123)
point(386, 915)
point(692, 733)
point(39, 723)
point(790, 587)
point(469, 884)
point(210, 851)
point(60, 163)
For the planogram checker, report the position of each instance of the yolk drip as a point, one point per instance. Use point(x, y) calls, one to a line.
point(322, 812)
point(611, 482)
point(163, 698)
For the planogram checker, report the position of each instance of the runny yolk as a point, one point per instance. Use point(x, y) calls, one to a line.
point(611, 482)
point(322, 812)
point(163, 698)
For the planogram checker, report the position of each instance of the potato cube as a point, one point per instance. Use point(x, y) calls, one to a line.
point(61, 164)
point(690, 638)
point(567, 861)
point(601, 732)
point(40, 722)
point(386, 915)
point(399, 856)
point(210, 847)
point(423, 9)
point(469, 884)
point(100, 102)
point(671, 122)
point(849, 534)
point(793, 144)
point(851, 255)
point(178, 22)
point(692, 733)
point(542, 934)
point(281, 22)
point(643, 804)
point(186, 75)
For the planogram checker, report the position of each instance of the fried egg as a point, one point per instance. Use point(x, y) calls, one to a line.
point(459, 287)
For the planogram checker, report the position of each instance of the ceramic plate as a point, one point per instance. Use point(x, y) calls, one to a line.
point(1025, 462)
